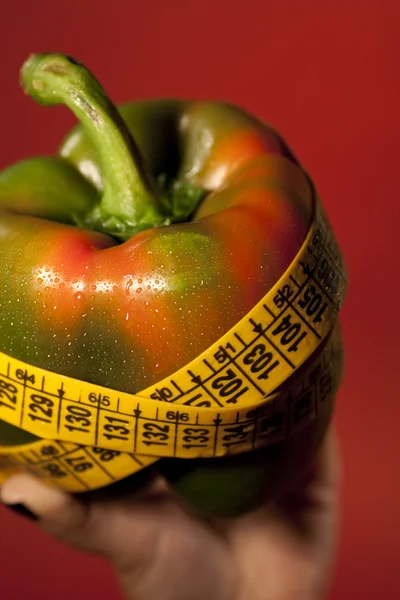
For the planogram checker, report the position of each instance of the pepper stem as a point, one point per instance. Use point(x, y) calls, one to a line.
point(131, 200)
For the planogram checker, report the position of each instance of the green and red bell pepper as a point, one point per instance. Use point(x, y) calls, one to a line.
point(151, 233)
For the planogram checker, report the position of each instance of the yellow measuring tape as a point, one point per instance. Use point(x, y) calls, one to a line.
point(248, 390)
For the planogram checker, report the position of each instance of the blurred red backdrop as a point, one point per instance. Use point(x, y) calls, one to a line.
point(327, 75)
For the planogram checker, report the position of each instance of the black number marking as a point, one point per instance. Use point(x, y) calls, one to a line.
point(283, 296)
point(235, 434)
point(221, 355)
point(192, 401)
point(105, 455)
point(173, 416)
point(99, 399)
point(8, 391)
point(79, 411)
point(260, 359)
point(24, 376)
point(153, 430)
point(229, 384)
point(49, 451)
point(78, 414)
point(116, 426)
point(55, 471)
point(312, 302)
point(80, 464)
point(199, 436)
point(163, 394)
point(290, 333)
point(159, 432)
point(42, 407)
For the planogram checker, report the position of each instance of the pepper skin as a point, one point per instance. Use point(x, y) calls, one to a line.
point(147, 238)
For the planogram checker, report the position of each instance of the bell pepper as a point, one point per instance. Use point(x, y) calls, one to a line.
point(151, 233)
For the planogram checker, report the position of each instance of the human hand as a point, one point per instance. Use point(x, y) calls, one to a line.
point(161, 548)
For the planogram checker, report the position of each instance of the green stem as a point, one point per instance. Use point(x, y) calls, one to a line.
point(131, 200)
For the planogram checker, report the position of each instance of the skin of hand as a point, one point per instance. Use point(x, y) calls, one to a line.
point(160, 548)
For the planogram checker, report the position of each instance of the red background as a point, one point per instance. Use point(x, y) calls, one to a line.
point(327, 75)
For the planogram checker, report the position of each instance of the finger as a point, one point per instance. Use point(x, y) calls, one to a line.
point(57, 512)
point(112, 528)
point(312, 508)
point(319, 484)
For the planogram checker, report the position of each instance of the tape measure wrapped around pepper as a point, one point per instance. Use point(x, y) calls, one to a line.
point(169, 300)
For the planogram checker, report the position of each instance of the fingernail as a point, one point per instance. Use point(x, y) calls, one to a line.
point(21, 510)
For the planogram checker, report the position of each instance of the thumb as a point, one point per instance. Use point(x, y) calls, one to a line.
point(112, 528)
point(59, 514)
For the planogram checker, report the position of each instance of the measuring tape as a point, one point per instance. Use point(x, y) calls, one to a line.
point(251, 388)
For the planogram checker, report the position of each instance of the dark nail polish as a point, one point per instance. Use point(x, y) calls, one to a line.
point(20, 509)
